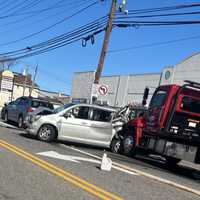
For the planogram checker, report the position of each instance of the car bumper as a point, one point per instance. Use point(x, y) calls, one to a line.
point(31, 129)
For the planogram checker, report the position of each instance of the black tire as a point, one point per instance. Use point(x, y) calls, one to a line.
point(20, 122)
point(47, 133)
point(6, 116)
point(128, 145)
point(115, 145)
point(171, 161)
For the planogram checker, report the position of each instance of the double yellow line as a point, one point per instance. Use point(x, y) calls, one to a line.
point(92, 189)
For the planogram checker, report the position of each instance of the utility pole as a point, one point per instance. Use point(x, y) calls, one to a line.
point(105, 42)
point(25, 79)
point(33, 82)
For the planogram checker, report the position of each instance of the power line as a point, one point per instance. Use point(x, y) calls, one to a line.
point(49, 27)
point(161, 9)
point(93, 27)
point(125, 24)
point(159, 15)
point(39, 13)
point(42, 19)
point(154, 44)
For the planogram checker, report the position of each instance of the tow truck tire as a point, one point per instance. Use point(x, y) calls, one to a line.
point(115, 145)
point(171, 161)
point(128, 145)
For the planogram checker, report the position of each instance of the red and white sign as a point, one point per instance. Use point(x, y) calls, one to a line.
point(103, 90)
point(99, 90)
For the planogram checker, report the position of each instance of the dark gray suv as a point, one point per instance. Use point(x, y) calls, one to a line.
point(17, 110)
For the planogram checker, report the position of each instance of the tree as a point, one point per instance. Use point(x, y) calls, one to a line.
point(6, 63)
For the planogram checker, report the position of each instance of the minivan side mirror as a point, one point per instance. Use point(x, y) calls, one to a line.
point(67, 115)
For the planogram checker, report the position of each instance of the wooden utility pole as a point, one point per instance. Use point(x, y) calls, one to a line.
point(105, 42)
point(25, 79)
point(33, 81)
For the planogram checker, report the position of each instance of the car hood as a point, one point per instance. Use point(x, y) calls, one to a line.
point(42, 111)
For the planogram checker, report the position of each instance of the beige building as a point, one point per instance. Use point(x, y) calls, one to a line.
point(14, 85)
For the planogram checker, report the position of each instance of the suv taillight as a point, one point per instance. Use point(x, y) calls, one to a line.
point(30, 110)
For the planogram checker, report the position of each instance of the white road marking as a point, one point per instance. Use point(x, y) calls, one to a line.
point(6, 125)
point(141, 173)
point(53, 154)
point(76, 159)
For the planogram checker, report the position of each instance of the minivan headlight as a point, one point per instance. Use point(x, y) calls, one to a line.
point(35, 118)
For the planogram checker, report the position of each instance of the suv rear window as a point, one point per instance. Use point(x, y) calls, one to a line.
point(191, 105)
point(36, 104)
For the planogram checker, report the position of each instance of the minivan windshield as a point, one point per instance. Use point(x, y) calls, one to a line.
point(61, 108)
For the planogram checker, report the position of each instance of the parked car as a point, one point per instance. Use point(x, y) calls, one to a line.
point(81, 123)
point(17, 110)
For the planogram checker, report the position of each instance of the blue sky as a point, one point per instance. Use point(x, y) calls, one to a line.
point(56, 68)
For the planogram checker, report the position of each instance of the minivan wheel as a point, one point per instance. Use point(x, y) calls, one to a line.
point(20, 122)
point(115, 146)
point(47, 133)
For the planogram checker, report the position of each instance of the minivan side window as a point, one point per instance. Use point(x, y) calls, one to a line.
point(101, 115)
point(80, 112)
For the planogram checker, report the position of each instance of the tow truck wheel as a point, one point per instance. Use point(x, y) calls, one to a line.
point(171, 162)
point(129, 145)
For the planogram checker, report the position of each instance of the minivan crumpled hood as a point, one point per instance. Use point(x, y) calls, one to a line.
point(42, 111)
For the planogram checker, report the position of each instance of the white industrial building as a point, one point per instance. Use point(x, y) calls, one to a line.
point(123, 89)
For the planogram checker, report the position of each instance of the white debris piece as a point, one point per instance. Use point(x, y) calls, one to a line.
point(106, 163)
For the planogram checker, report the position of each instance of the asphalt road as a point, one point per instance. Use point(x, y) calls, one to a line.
point(74, 173)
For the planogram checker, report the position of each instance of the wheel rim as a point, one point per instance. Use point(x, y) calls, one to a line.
point(128, 143)
point(45, 133)
point(117, 147)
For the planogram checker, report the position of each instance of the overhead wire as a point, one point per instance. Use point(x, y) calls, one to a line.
point(154, 44)
point(35, 14)
point(161, 9)
point(160, 15)
point(46, 18)
point(75, 36)
point(60, 41)
point(51, 26)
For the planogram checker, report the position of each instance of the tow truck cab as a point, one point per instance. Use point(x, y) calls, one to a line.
point(171, 126)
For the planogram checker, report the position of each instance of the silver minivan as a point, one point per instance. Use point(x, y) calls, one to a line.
point(82, 123)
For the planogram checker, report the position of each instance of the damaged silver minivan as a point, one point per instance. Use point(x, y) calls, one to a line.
point(82, 123)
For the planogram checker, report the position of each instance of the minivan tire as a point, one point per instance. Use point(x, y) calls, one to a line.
point(46, 133)
point(115, 146)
